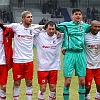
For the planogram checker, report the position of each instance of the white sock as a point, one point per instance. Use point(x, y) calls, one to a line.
point(97, 95)
point(41, 95)
point(52, 95)
point(16, 92)
point(2, 94)
point(29, 92)
point(87, 97)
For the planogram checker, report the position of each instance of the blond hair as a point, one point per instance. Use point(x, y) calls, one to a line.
point(24, 13)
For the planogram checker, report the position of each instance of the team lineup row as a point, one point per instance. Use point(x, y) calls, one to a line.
point(78, 41)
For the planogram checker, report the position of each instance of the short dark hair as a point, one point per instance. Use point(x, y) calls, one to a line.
point(76, 10)
point(51, 23)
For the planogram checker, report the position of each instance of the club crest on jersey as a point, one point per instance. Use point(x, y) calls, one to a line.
point(80, 28)
point(54, 41)
point(30, 32)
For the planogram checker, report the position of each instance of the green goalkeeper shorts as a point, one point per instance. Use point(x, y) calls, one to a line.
point(74, 60)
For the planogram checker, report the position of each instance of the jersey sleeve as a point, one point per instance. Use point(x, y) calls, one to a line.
point(13, 26)
point(62, 27)
point(36, 32)
point(87, 28)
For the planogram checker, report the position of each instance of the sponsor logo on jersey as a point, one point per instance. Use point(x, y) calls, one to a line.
point(80, 28)
point(22, 36)
point(51, 47)
point(94, 46)
point(54, 41)
point(45, 46)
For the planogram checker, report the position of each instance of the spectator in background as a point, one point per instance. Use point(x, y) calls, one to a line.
point(0, 14)
point(39, 3)
point(88, 15)
point(93, 13)
point(5, 16)
point(9, 17)
point(84, 18)
point(97, 14)
point(43, 21)
point(20, 3)
point(51, 6)
point(44, 7)
point(55, 4)
point(73, 2)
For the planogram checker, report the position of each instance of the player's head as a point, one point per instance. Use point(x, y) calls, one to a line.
point(76, 15)
point(27, 18)
point(95, 27)
point(50, 27)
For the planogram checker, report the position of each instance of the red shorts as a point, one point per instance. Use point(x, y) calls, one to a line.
point(3, 74)
point(23, 70)
point(45, 77)
point(90, 74)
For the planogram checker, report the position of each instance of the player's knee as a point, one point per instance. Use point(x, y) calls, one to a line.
point(3, 87)
point(67, 85)
point(43, 89)
point(82, 82)
point(17, 83)
point(29, 83)
point(53, 88)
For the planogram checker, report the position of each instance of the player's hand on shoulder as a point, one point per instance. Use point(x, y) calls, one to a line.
point(63, 51)
point(58, 34)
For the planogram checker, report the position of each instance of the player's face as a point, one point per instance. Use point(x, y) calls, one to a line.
point(77, 16)
point(51, 30)
point(95, 28)
point(27, 20)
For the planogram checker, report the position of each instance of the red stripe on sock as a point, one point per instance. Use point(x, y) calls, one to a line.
point(29, 94)
point(52, 97)
point(15, 96)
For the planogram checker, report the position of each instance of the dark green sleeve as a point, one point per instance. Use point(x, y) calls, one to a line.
point(61, 28)
point(87, 28)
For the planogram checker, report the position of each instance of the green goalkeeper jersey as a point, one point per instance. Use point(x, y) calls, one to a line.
point(73, 35)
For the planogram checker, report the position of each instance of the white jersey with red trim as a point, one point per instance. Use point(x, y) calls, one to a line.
point(2, 52)
point(92, 49)
point(48, 51)
point(23, 43)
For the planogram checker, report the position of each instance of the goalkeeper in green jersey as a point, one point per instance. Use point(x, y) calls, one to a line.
point(74, 58)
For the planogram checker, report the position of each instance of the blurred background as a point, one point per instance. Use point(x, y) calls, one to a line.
point(44, 10)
